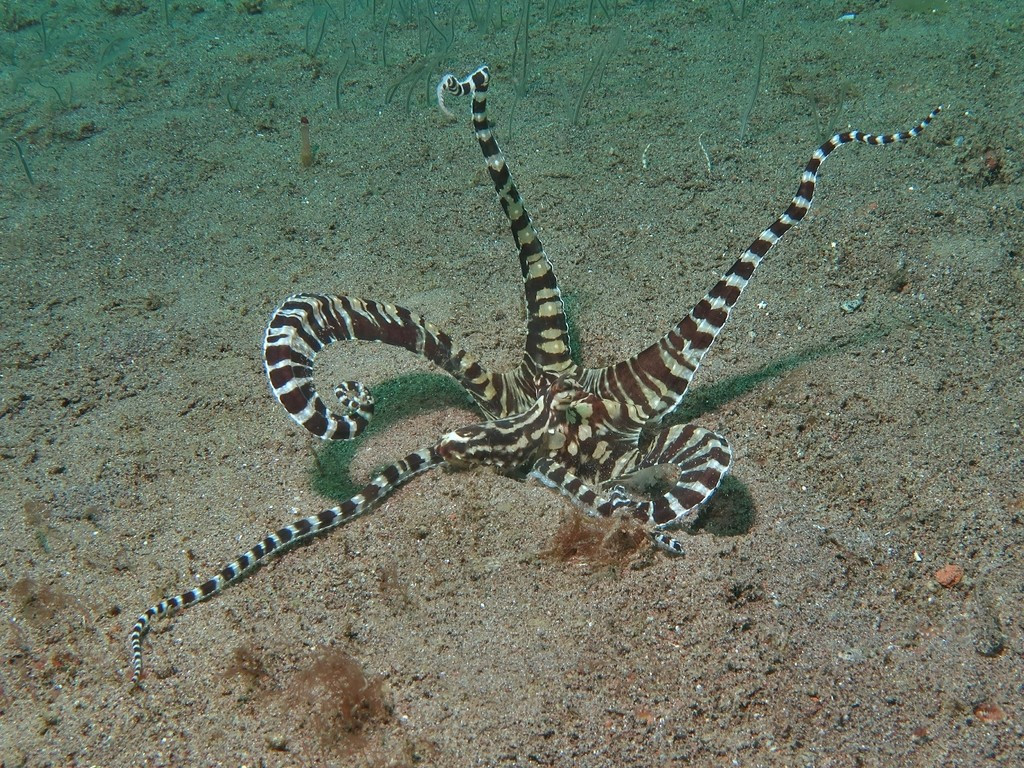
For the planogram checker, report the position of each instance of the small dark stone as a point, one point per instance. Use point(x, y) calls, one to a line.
point(990, 643)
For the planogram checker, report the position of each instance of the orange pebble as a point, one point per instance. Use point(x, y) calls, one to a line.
point(949, 575)
point(989, 713)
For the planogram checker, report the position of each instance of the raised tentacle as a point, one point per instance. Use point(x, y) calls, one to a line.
point(547, 333)
point(305, 323)
point(290, 535)
point(656, 378)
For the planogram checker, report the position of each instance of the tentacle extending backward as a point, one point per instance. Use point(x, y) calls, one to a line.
point(304, 324)
point(547, 333)
point(656, 378)
point(274, 543)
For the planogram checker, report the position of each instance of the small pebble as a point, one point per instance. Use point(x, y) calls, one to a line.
point(852, 305)
point(277, 741)
point(949, 575)
point(990, 644)
point(989, 713)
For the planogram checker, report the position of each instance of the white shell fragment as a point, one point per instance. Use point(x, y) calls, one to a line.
point(852, 305)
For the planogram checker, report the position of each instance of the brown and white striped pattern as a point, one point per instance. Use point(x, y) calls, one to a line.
point(547, 332)
point(286, 537)
point(302, 326)
point(700, 457)
point(577, 430)
point(656, 378)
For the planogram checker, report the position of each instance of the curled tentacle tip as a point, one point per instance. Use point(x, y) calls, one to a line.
point(441, 88)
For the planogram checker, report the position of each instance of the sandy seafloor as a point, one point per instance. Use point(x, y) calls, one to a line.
point(141, 450)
